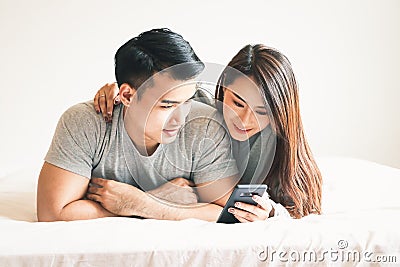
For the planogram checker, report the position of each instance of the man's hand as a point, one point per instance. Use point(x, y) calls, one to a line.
point(119, 198)
point(178, 191)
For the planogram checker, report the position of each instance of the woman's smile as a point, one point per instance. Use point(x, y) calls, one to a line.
point(241, 130)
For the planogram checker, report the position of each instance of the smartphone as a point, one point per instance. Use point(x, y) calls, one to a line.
point(241, 193)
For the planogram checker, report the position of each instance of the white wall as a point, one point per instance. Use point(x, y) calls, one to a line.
point(345, 53)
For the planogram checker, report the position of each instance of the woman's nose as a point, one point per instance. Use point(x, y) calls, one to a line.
point(245, 116)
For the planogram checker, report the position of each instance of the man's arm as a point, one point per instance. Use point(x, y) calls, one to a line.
point(155, 209)
point(126, 200)
point(212, 195)
point(59, 196)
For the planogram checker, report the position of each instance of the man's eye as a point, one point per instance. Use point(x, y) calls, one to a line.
point(167, 107)
point(237, 104)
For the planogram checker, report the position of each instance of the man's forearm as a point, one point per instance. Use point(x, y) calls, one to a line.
point(83, 210)
point(127, 200)
point(153, 208)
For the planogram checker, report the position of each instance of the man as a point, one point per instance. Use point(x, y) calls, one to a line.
point(96, 169)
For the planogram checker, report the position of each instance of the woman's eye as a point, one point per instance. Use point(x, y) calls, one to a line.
point(237, 104)
point(261, 113)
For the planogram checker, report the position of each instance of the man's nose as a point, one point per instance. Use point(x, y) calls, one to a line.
point(178, 116)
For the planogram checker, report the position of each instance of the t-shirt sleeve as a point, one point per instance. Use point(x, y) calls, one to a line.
point(73, 144)
point(216, 159)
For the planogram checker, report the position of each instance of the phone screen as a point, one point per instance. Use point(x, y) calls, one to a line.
point(241, 193)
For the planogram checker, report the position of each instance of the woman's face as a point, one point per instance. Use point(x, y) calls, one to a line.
point(244, 110)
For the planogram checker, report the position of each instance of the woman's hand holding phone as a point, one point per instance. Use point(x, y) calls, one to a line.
point(249, 213)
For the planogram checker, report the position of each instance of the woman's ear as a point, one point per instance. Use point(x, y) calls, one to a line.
point(126, 93)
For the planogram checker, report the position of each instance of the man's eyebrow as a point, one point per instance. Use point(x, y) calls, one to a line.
point(167, 101)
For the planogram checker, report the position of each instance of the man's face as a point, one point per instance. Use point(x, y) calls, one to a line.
point(158, 115)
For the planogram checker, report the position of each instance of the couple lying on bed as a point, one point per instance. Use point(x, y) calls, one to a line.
point(162, 155)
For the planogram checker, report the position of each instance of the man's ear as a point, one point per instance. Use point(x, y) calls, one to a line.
point(126, 94)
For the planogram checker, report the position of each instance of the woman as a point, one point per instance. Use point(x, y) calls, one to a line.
point(291, 172)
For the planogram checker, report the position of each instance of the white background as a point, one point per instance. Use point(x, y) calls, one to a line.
point(346, 56)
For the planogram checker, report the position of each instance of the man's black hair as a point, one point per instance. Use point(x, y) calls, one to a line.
point(153, 51)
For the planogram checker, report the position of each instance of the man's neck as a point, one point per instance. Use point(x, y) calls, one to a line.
point(151, 149)
point(145, 147)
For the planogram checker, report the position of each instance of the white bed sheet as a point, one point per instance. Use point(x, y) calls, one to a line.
point(361, 212)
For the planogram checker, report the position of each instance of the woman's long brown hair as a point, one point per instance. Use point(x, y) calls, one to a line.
point(294, 179)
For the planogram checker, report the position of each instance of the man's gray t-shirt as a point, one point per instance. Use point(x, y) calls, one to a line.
point(88, 146)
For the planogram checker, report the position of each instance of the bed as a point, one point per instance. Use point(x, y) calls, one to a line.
point(359, 226)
